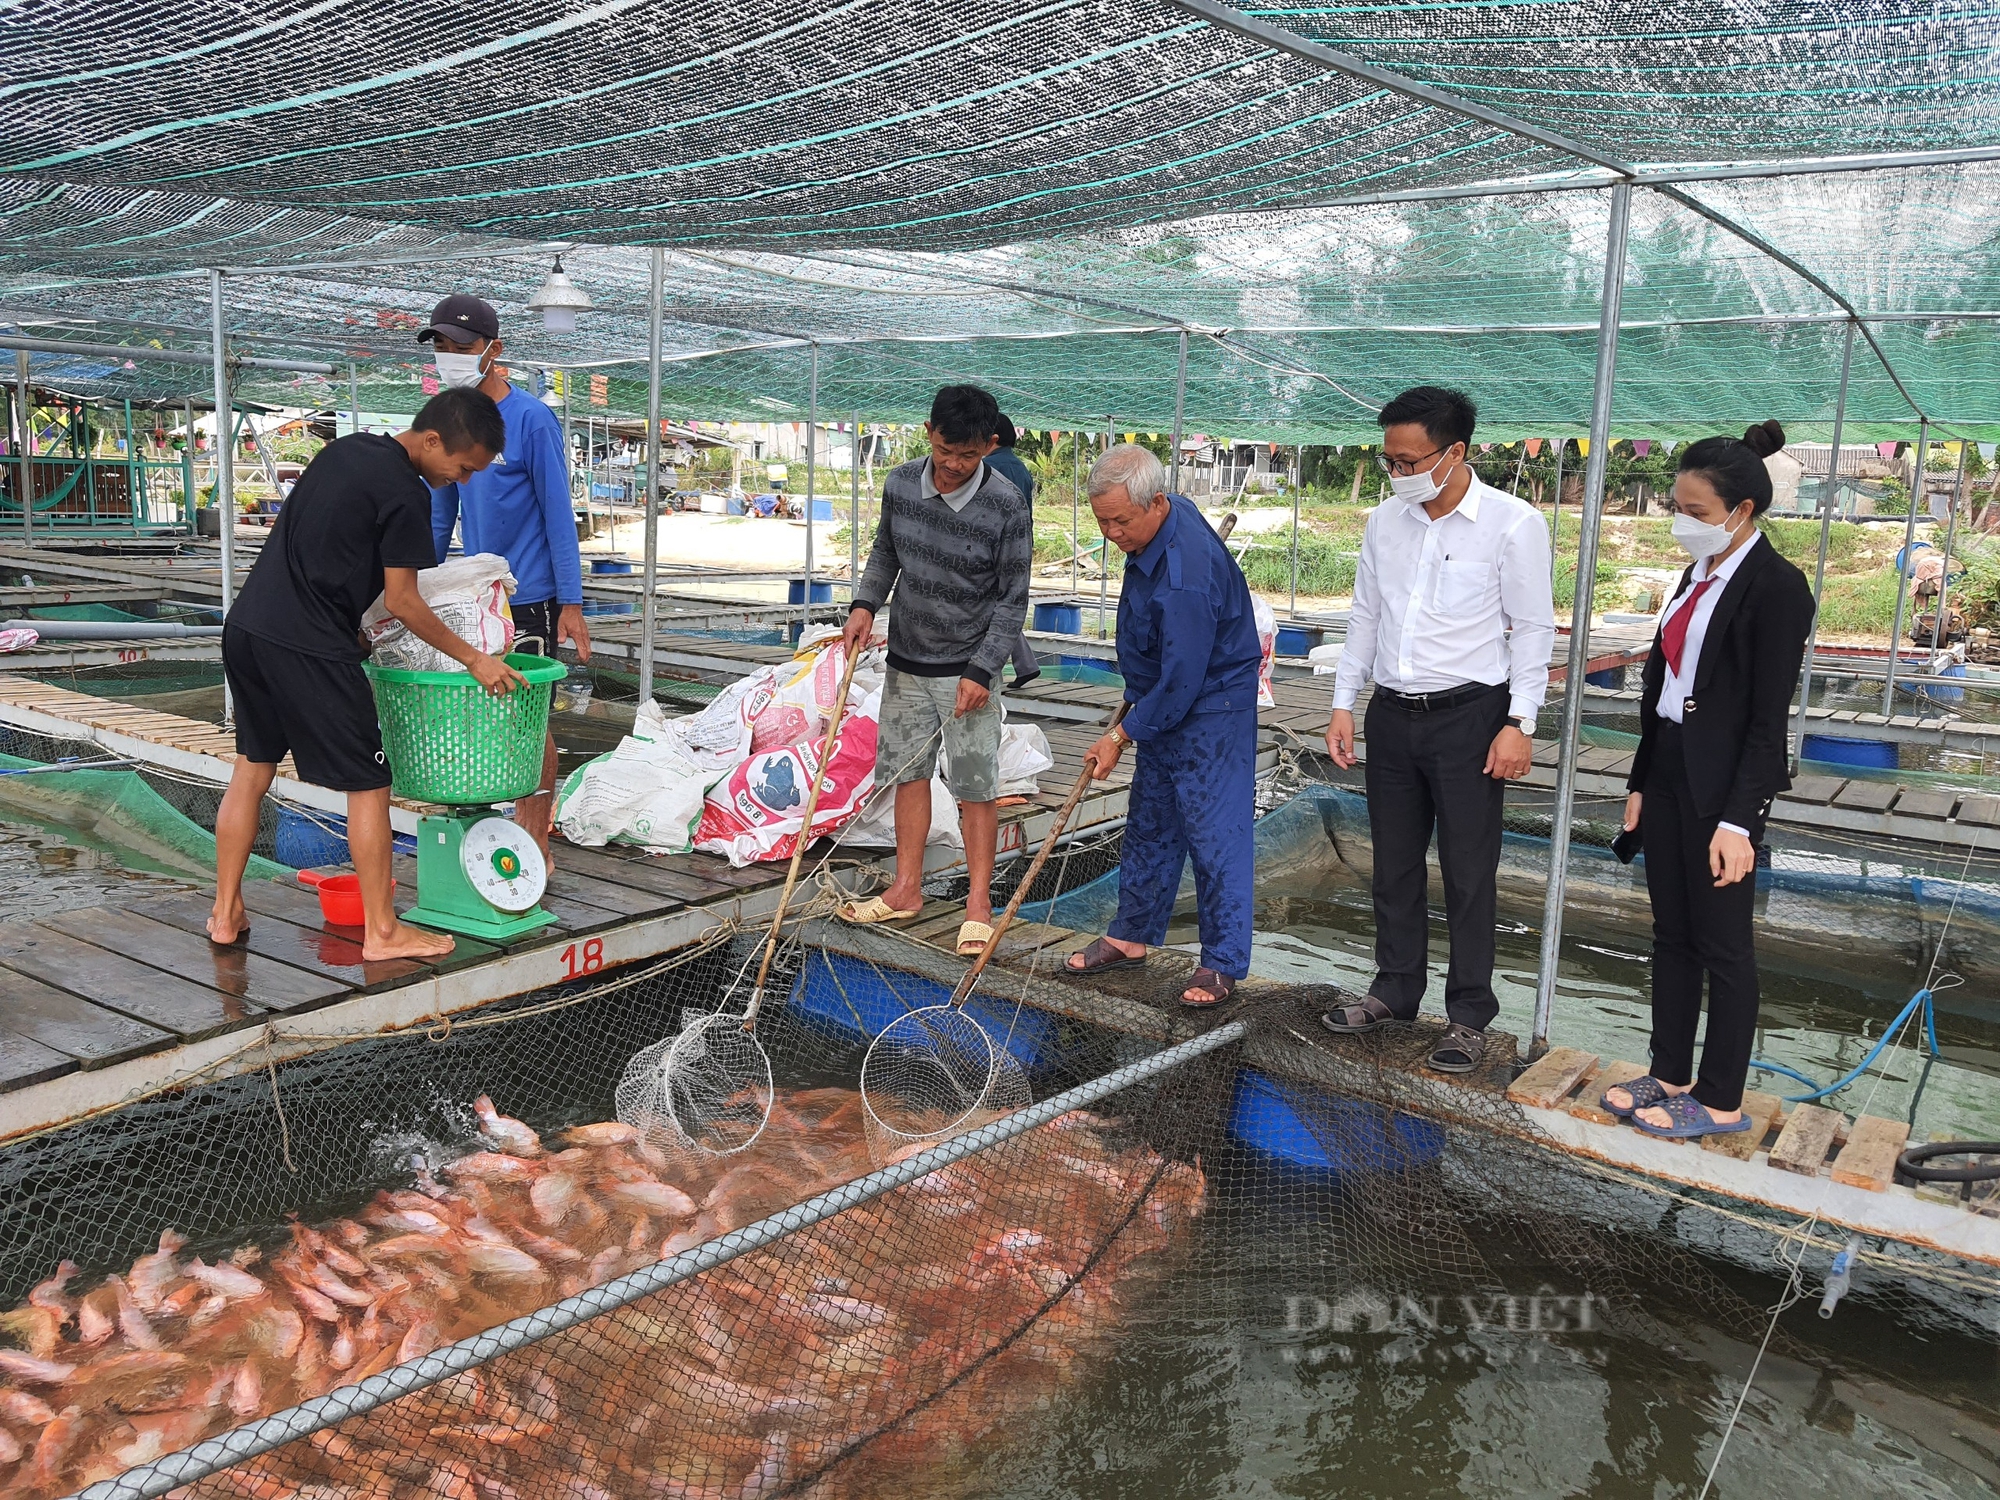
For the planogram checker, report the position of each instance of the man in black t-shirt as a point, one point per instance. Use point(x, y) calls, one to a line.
point(357, 525)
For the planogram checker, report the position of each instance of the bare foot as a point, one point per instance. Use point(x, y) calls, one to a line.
point(904, 897)
point(532, 815)
point(405, 941)
point(228, 926)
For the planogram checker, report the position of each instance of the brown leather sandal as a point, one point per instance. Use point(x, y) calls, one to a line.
point(1369, 1013)
point(1099, 956)
point(1216, 987)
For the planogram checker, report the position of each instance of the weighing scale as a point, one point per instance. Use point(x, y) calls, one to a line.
point(478, 874)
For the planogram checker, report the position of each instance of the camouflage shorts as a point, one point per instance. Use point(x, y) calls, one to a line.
point(906, 748)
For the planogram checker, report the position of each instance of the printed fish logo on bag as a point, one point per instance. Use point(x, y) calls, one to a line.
point(778, 788)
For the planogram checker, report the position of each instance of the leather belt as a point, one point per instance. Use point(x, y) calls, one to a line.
point(1430, 703)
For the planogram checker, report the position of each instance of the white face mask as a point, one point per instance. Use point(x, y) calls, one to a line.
point(1701, 539)
point(459, 369)
point(1416, 489)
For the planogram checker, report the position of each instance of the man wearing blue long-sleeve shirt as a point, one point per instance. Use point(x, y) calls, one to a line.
point(1188, 649)
point(518, 508)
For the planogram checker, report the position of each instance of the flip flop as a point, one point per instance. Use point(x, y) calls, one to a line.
point(1098, 957)
point(1691, 1120)
point(873, 910)
point(973, 938)
point(1645, 1092)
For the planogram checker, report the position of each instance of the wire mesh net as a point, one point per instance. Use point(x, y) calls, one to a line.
point(452, 1270)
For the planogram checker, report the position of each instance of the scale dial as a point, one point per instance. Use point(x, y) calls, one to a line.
point(503, 865)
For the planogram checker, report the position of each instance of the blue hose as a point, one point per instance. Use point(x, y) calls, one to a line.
point(1922, 997)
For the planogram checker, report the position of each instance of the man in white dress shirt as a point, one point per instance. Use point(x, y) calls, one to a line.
point(1453, 621)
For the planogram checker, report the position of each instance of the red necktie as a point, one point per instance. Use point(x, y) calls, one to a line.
point(1674, 634)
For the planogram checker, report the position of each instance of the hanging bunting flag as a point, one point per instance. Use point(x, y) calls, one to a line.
point(1668, 445)
point(1131, 437)
point(1985, 451)
point(1583, 446)
point(430, 385)
point(600, 390)
point(1886, 450)
point(1642, 446)
point(1534, 447)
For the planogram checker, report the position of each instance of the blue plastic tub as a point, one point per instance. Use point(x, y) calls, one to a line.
point(1610, 677)
point(610, 565)
point(1948, 694)
point(1844, 750)
point(795, 592)
point(307, 841)
point(1059, 619)
point(735, 506)
point(1298, 640)
point(1345, 1136)
point(853, 1001)
point(822, 509)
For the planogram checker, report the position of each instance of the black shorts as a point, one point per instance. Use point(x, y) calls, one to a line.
point(320, 711)
point(537, 620)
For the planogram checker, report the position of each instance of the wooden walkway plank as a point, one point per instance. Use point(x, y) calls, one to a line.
point(1763, 1112)
point(587, 890)
point(110, 979)
point(638, 873)
point(1551, 1076)
point(1802, 1145)
point(334, 956)
point(1868, 1160)
point(24, 1061)
point(89, 1035)
point(299, 907)
point(234, 971)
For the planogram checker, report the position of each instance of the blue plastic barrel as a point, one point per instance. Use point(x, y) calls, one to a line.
point(822, 510)
point(1298, 640)
point(1610, 677)
point(1060, 619)
point(306, 840)
point(1343, 1136)
point(1844, 750)
point(852, 1000)
point(1949, 694)
point(610, 565)
point(796, 593)
point(735, 506)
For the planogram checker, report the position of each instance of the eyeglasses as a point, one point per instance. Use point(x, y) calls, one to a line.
point(1403, 468)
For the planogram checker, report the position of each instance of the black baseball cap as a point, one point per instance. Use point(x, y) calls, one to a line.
point(460, 319)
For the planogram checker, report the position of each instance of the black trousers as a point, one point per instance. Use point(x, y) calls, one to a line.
point(1426, 773)
point(1697, 929)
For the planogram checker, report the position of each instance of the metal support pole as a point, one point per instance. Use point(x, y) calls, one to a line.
point(1555, 513)
point(1903, 579)
point(187, 464)
point(1826, 503)
point(24, 398)
point(1579, 630)
point(812, 474)
point(1075, 512)
point(1298, 483)
point(1944, 578)
point(1180, 406)
point(353, 396)
point(225, 466)
point(649, 604)
point(854, 507)
point(1104, 561)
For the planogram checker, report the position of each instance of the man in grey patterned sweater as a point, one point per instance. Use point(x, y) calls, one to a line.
point(954, 547)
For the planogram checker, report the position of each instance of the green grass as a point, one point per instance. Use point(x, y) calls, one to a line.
point(1859, 604)
point(1798, 541)
point(1326, 564)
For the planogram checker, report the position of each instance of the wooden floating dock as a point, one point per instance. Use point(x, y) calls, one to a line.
point(109, 1003)
point(1794, 1161)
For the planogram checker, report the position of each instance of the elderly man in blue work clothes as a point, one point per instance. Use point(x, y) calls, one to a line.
point(519, 508)
point(1188, 649)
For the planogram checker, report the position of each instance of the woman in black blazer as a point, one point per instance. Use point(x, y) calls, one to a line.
point(1713, 715)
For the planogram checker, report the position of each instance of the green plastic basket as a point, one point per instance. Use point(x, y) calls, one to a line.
point(449, 740)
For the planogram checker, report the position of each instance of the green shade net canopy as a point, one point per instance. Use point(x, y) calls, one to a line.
point(1039, 198)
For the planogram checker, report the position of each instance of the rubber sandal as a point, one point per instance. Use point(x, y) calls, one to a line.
point(973, 938)
point(1691, 1120)
point(1645, 1092)
point(1217, 986)
point(1099, 956)
point(1459, 1052)
point(873, 910)
point(1373, 1010)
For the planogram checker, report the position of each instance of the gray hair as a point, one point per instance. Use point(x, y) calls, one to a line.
point(1134, 468)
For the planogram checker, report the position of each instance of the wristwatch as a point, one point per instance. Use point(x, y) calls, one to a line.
point(1118, 733)
point(1525, 724)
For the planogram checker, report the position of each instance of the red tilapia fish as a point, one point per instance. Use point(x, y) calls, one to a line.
point(895, 1331)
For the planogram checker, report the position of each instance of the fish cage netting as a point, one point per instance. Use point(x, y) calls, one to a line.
point(185, 1265)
